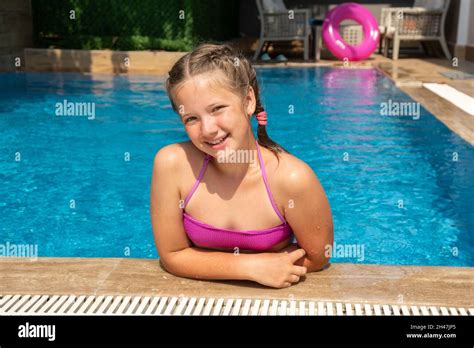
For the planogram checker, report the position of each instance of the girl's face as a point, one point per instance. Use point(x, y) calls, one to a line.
point(214, 117)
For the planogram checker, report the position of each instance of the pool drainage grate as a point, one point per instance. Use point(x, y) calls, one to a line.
point(172, 305)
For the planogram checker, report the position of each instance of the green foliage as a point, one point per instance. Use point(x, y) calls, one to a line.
point(133, 25)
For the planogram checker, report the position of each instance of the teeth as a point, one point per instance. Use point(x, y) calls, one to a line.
point(218, 141)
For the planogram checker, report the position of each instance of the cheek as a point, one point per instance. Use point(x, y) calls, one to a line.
point(243, 123)
point(193, 132)
point(236, 118)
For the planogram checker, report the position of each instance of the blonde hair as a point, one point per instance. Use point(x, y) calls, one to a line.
point(237, 70)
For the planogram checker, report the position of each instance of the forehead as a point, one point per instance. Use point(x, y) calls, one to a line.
point(204, 88)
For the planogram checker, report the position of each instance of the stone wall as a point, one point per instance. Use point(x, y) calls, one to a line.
point(100, 61)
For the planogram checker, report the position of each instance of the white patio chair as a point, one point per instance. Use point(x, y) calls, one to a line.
point(423, 22)
point(277, 23)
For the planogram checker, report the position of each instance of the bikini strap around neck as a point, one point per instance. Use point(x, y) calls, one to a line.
point(267, 186)
point(198, 180)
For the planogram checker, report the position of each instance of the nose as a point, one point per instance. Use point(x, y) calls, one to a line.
point(208, 127)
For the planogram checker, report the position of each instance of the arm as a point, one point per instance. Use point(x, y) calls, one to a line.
point(268, 269)
point(309, 215)
point(199, 263)
point(180, 258)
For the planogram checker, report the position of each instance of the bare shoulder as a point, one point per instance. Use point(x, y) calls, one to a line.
point(167, 156)
point(173, 156)
point(178, 164)
point(294, 175)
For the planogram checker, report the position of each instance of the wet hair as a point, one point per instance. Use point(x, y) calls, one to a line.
point(238, 75)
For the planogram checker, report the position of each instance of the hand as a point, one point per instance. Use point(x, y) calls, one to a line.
point(292, 247)
point(278, 270)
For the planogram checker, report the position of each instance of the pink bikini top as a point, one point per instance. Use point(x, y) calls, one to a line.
point(206, 235)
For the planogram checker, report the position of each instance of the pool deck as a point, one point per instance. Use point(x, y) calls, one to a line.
point(343, 282)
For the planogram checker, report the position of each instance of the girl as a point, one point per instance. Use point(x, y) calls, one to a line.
point(223, 205)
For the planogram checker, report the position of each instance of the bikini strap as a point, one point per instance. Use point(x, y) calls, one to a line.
point(201, 173)
point(267, 186)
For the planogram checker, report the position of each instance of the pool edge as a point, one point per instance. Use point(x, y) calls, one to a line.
point(341, 282)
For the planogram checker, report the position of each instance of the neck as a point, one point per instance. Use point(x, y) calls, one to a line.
point(236, 164)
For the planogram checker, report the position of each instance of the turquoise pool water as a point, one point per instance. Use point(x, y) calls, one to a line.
point(400, 187)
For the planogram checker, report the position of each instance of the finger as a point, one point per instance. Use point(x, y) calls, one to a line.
point(299, 270)
point(286, 284)
point(294, 278)
point(297, 254)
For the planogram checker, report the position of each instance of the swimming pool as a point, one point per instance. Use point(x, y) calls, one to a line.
point(400, 187)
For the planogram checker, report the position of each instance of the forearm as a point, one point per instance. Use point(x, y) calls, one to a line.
point(200, 263)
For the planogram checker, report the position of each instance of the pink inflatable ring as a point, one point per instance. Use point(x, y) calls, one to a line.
point(334, 42)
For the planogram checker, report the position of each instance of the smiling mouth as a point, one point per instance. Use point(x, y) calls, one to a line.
point(217, 142)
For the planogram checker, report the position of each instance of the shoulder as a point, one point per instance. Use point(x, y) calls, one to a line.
point(179, 162)
point(168, 157)
point(173, 154)
point(294, 175)
point(172, 157)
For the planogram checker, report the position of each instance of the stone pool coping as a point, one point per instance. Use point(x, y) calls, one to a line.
point(341, 282)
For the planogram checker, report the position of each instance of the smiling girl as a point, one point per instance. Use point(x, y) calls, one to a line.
point(216, 215)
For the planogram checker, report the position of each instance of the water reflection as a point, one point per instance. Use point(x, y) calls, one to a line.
point(362, 83)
